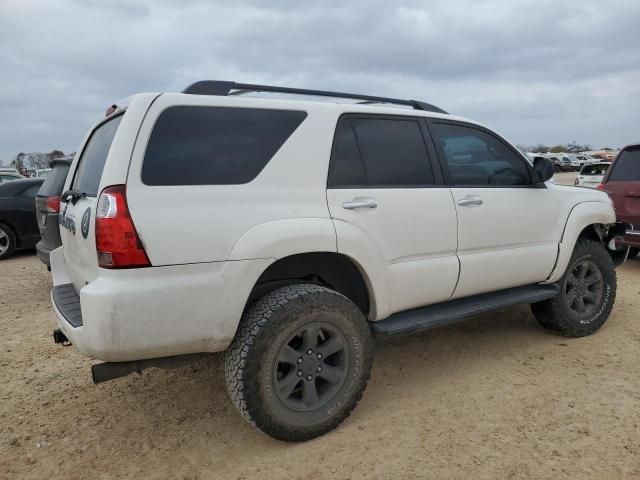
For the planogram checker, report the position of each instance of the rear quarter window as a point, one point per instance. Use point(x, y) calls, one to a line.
point(627, 167)
point(196, 145)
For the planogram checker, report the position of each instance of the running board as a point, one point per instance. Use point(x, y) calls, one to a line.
point(453, 311)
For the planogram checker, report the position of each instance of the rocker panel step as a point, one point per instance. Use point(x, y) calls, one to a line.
point(452, 311)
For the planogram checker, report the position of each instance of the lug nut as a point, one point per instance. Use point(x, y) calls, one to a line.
point(299, 360)
point(299, 373)
point(319, 356)
point(309, 377)
point(319, 369)
point(309, 352)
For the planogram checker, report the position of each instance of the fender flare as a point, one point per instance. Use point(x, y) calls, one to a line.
point(284, 237)
point(581, 216)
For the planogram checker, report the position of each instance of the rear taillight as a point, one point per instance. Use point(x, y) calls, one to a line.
point(600, 186)
point(117, 242)
point(52, 204)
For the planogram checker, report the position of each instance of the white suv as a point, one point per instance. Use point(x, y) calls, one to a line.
point(289, 231)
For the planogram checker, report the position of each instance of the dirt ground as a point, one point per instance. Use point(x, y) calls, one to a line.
point(494, 397)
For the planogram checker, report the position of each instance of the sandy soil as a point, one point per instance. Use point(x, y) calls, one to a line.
point(494, 397)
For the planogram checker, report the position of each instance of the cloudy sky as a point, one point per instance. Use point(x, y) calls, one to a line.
point(536, 71)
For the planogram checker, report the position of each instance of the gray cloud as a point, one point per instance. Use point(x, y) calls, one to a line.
point(537, 71)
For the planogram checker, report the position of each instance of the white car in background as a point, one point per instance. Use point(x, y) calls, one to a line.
point(591, 175)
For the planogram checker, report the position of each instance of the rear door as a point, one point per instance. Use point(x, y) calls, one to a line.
point(77, 213)
point(623, 185)
point(384, 194)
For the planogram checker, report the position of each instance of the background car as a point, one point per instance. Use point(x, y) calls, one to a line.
point(42, 172)
point(48, 207)
point(622, 183)
point(8, 175)
point(18, 225)
point(591, 175)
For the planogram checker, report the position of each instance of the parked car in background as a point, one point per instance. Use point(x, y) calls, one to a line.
point(622, 183)
point(42, 172)
point(560, 165)
point(48, 206)
point(591, 175)
point(9, 174)
point(18, 226)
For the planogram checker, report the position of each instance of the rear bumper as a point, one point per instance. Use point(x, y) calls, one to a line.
point(632, 238)
point(43, 253)
point(159, 311)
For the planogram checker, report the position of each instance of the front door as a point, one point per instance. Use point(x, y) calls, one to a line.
point(387, 202)
point(507, 227)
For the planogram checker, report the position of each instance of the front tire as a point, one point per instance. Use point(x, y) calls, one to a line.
point(300, 362)
point(587, 293)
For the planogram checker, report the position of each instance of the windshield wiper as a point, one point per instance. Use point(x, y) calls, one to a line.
point(72, 195)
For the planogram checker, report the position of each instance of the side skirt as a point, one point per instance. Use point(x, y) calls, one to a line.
point(453, 311)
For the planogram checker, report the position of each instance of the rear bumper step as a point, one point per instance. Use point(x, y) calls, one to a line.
point(453, 311)
point(67, 302)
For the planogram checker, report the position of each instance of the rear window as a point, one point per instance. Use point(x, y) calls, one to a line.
point(91, 163)
point(54, 181)
point(627, 167)
point(195, 145)
point(594, 170)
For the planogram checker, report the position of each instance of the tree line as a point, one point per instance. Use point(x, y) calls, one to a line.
point(571, 147)
point(35, 160)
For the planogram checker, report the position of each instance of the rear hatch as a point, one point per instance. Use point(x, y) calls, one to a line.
point(623, 185)
point(592, 175)
point(77, 212)
point(47, 213)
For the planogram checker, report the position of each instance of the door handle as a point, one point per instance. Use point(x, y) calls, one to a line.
point(470, 201)
point(360, 203)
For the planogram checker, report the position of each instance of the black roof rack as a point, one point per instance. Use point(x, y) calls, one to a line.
point(223, 88)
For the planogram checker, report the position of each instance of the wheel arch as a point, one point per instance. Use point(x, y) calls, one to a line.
point(333, 270)
point(591, 220)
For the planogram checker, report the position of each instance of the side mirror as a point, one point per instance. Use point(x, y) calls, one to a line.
point(542, 169)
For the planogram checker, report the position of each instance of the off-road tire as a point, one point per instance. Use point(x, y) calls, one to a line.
point(254, 356)
point(10, 239)
point(555, 313)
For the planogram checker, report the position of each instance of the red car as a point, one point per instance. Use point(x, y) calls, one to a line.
point(622, 183)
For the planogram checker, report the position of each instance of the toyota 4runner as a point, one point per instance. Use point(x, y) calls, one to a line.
point(290, 227)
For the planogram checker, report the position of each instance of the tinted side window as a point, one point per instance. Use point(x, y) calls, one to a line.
point(627, 167)
point(394, 152)
point(192, 145)
point(346, 164)
point(91, 163)
point(476, 158)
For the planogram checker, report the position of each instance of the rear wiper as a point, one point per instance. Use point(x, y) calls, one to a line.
point(72, 195)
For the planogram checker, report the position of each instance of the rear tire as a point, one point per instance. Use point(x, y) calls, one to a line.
point(300, 362)
point(587, 293)
point(8, 242)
